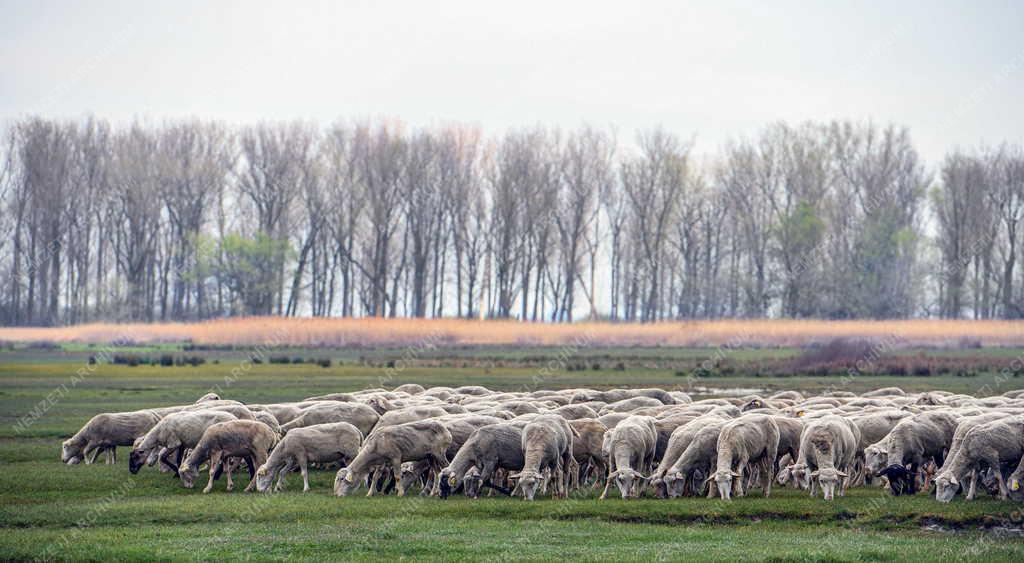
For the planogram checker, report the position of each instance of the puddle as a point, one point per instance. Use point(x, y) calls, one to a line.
point(728, 391)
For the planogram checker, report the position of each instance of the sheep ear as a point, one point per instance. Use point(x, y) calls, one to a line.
point(350, 477)
point(708, 480)
point(841, 474)
point(814, 474)
point(513, 475)
point(953, 480)
point(734, 474)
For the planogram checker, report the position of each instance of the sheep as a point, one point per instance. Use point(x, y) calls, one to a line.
point(990, 444)
point(357, 414)
point(392, 445)
point(631, 447)
point(410, 388)
point(409, 414)
point(489, 448)
point(962, 428)
point(830, 443)
point(748, 439)
point(266, 417)
point(547, 445)
point(207, 398)
point(461, 427)
point(105, 432)
point(631, 404)
point(245, 439)
point(176, 432)
point(913, 442)
point(586, 447)
point(575, 412)
point(677, 442)
point(698, 456)
point(320, 443)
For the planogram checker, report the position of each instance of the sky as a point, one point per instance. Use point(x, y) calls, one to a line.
point(709, 71)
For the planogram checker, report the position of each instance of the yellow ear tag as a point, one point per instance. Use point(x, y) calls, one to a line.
point(1015, 485)
point(349, 477)
point(452, 480)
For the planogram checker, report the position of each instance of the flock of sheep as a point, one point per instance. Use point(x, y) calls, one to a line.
point(467, 439)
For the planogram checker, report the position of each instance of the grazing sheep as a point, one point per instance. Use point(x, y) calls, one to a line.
point(575, 412)
point(409, 414)
point(698, 457)
point(748, 439)
point(246, 439)
point(175, 433)
point(586, 448)
point(988, 445)
point(492, 447)
point(962, 428)
point(631, 447)
point(320, 443)
point(830, 444)
point(631, 404)
point(912, 443)
point(391, 446)
point(357, 414)
point(105, 432)
point(547, 446)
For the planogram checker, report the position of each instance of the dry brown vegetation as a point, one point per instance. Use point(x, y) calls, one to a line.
point(451, 332)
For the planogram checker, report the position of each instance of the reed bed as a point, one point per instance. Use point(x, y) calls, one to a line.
point(307, 332)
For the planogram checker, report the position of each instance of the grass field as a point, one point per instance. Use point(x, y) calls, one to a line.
point(49, 510)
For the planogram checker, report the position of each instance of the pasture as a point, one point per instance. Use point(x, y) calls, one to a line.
point(53, 511)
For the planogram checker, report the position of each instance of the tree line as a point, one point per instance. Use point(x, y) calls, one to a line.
point(195, 219)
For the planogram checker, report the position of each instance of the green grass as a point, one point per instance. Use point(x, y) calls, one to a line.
point(97, 512)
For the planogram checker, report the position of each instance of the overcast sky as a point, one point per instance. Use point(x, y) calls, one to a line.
point(952, 71)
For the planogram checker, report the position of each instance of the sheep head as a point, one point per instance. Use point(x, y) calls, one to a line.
point(527, 481)
point(71, 452)
point(264, 478)
point(344, 482)
point(723, 478)
point(946, 487)
point(675, 484)
point(136, 459)
point(828, 478)
point(447, 482)
point(188, 474)
point(472, 483)
point(626, 480)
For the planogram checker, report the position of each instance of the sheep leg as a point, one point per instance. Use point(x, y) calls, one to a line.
point(972, 488)
point(214, 462)
point(305, 475)
point(174, 466)
point(607, 483)
point(255, 460)
point(280, 476)
point(227, 464)
point(90, 448)
point(396, 468)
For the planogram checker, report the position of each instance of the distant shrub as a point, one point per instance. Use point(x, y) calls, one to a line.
point(298, 360)
point(969, 343)
point(166, 360)
point(130, 360)
point(324, 362)
point(280, 359)
point(195, 360)
point(620, 367)
point(596, 366)
point(42, 345)
point(922, 371)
